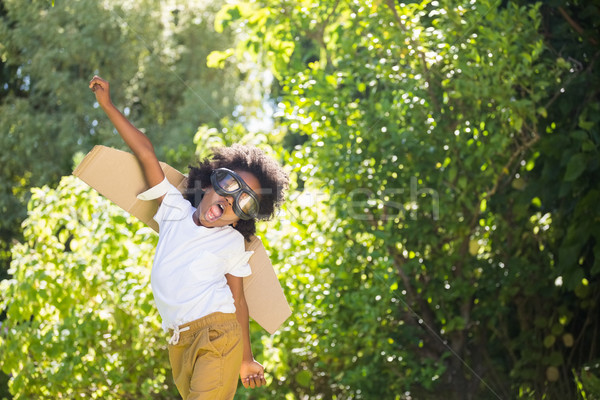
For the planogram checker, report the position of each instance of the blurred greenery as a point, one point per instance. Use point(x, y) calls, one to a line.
point(442, 237)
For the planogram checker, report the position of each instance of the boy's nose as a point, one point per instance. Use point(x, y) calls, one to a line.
point(228, 200)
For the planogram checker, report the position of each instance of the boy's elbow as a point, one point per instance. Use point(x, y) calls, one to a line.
point(240, 303)
point(146, 154)
point(238, 296)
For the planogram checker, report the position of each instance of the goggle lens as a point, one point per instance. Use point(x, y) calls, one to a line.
point(228, 183)
point(247, 204)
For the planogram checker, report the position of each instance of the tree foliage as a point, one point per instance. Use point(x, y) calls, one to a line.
point(446, 239)
point(442, 237)
point(81, 321)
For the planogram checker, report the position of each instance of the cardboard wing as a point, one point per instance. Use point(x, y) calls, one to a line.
point(118, 176)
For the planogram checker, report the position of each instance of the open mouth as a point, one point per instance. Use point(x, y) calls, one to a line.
point(215, 212)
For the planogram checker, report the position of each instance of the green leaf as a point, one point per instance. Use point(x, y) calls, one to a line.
point(575, 167)
point(303, 378)
point(549, 341)
point(542, 111)
point(216, 59)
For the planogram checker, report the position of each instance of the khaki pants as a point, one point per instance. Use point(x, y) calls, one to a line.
point(207, 357)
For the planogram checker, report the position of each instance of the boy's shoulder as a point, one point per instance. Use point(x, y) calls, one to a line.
point(231, 237)
point(226, 241)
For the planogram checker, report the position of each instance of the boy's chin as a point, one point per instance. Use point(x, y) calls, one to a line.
point(216, 224)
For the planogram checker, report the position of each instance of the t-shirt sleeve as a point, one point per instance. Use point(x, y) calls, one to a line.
point(155, 191)
point(174, 206)
point(238, 265)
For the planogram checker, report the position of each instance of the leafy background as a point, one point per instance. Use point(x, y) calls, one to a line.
point(441, 236)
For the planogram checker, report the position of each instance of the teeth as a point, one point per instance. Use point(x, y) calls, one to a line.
point(221, 207)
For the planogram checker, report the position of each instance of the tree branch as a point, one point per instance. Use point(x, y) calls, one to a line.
point(576, 26)
point(425, 311)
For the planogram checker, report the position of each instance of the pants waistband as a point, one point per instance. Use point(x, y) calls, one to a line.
point(193, 326)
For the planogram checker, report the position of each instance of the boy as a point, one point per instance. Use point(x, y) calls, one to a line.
point(200, 258)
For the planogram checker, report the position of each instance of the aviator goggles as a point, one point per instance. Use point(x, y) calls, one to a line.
point(227, 183)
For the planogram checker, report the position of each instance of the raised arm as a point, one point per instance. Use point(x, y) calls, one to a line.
point(251, 372)
point(133, 137)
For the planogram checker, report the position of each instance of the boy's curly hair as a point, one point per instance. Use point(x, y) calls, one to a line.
point(273, 180)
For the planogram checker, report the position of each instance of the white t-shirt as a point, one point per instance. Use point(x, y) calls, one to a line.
point(188, 275)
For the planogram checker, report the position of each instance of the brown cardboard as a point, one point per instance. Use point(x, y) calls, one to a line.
point(117, 175)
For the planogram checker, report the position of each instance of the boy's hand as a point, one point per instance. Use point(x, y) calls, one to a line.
point(252, 374)
point(100, 87)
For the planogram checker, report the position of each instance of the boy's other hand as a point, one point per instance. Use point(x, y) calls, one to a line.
point(252, 374)
point(100, 87)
